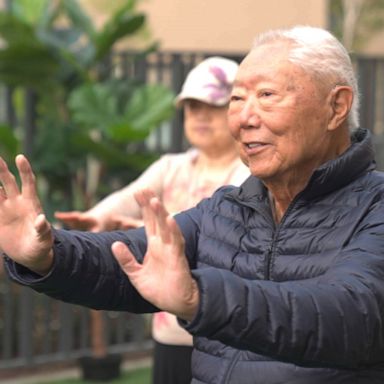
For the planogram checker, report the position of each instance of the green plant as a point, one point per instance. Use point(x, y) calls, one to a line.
point(87, 121)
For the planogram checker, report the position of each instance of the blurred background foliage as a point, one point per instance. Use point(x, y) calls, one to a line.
point(355, 22)
point(90, 122)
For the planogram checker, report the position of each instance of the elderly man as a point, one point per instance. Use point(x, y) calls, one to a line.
point(280, 280)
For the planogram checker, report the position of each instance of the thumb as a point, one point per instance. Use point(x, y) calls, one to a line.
point(43, 227)
point(125, 258)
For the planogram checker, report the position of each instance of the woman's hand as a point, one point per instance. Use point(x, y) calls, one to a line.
point(86, 221)
point(79, 220)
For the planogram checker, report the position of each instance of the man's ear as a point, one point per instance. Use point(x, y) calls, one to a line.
point(341, 98)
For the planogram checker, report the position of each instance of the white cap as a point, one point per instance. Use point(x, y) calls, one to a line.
point(210, 81)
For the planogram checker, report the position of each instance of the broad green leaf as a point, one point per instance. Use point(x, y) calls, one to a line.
point(29, 11)
point(148, 107)
point(129, 6)
point(79, 19)
point(124, 132)
point(93, 106)
point(52, 150)
point(60, 38)
point(113, 32)
point(72, 58)
point(49, 14)
point(104, 151)
point(16, 31)
point(31, 66)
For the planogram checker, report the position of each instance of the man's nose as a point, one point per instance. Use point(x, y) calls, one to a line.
point(249, 114)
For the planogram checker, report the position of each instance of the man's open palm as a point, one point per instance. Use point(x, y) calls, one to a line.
point(25, 234)
point(164, 277)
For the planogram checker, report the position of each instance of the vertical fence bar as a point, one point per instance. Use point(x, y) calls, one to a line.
point(178, 74)
point(46, 325)
point(367, 83)
point(26, 325)
point(8, 321)
point(66, 327)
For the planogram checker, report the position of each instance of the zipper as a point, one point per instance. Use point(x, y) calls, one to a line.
point(231, 366)
point(268, 261)
point(266, 212)
point(272, 247)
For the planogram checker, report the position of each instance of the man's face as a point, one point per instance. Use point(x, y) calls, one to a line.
point(206, 126)
point(279, 116)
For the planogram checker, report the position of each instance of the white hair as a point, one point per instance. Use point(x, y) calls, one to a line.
point(320, 53)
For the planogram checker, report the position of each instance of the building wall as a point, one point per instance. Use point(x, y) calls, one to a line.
point(374, 46)
point(220, 25)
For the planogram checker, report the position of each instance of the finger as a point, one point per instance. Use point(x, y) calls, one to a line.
point(8, 180)
point(28, 181)
point(125, 258)
point(66, 218)
point(177, 237)
point(86, 224)
point(123, 222)
point(43, 227)
point(76, 220)
point(161, 215)
point(26, 175)
point(67, 215)
point(143, 198)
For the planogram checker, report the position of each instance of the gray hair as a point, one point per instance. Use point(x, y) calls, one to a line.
point(319, 52)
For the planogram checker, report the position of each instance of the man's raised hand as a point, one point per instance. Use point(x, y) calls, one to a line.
point(164, 277)
point(25, 233)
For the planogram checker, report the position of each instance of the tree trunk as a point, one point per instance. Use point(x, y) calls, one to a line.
point(352, 10)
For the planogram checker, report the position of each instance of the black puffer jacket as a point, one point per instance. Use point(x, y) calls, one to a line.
point(298, 302)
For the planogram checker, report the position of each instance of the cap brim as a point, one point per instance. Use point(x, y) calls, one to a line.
point(181, 97)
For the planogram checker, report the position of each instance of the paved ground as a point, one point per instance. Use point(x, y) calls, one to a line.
point(41, 378)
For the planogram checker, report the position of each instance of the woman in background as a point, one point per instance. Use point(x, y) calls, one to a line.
point(181, 181)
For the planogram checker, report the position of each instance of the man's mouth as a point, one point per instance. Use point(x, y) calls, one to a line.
point(254, 147)
point(255, 144)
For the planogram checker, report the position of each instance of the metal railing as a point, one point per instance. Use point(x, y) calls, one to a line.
point(35, 329)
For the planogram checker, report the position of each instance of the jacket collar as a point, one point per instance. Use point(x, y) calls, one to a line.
point(332, 175)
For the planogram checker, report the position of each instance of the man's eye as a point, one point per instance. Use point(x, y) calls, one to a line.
point(266, 93)
point(235, 98)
